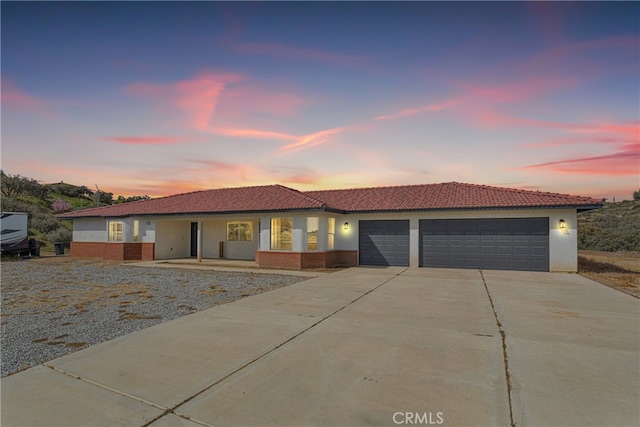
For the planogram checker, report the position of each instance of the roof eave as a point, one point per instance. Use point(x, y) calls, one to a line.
point(580, 208)
point(186, 214)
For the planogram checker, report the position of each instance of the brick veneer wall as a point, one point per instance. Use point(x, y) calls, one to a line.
point(113, 251)
point(306, 260)
point(342, 258)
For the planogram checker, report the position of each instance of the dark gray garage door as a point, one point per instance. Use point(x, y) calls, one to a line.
point(493, 244)
point(384, 242)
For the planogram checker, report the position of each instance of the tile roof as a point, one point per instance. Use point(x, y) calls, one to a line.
point(445, 196)
point(274, 198)
point(268, 198)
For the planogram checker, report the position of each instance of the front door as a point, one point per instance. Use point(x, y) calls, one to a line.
point(194, 239)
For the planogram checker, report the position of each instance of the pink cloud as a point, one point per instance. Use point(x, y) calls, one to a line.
point(147, 140)
point(274, 49)
point(439, 106)
point(240, 99)
point(477, 100)
point(570, 53)
point(624, 160)
point(620, 163)
point(224, 167)
point(209, 101)
point(598, 133)
point(198, 97)
point(312, 139)
point(13, 97)
point(515, 91)
point(256, 133)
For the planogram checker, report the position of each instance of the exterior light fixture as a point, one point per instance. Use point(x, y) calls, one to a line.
point(562, 224)
point(345, 226)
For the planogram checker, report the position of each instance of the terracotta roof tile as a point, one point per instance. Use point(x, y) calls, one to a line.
point(273, 198)
point(226, 200)
point(450, 195)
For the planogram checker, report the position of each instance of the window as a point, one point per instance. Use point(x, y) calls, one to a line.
point(136, 230)
point(115, 231)
point(312, 234)
point(281, 233)
point(239, 231)
point(332, 234)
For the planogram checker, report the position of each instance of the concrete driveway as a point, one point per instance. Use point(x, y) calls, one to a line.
point(363, 346)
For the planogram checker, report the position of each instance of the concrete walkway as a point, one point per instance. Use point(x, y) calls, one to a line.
point(363, 346)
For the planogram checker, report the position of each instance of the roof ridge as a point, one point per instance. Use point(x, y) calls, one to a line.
point(300, 193)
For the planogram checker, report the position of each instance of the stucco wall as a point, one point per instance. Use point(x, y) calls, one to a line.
point(563, 245)
point(89, 230)
point(215, 231)
point(96, 229)
point(173, 239)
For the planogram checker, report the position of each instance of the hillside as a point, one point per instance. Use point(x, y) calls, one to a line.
point(614, 227)
point(44, 201)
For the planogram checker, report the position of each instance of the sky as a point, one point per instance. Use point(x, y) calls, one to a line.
point(160, 98)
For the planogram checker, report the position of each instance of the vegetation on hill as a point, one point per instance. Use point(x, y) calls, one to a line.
point(614, 227)
point(43, 201)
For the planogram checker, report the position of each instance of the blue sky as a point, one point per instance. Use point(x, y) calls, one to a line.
point(159, 98)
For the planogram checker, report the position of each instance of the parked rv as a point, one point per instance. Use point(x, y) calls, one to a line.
point(15, 233)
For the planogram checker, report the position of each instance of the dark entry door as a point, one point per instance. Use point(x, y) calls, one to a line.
point(194, 239)
point(494, 244)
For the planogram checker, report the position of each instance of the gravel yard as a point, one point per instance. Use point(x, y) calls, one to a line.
point(55, 306)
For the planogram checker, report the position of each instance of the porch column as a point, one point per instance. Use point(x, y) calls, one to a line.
point(199, 251)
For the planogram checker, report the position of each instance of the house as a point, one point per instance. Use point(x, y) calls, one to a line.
point(450, 225)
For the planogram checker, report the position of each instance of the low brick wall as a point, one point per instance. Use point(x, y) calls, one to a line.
point(306, 260)
point(342, 258)
point(113, 251)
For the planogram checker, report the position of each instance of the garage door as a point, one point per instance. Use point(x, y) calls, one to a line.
point(493, 244)
point(384, 242)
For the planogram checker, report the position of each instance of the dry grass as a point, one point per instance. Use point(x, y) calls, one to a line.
point(618, 270)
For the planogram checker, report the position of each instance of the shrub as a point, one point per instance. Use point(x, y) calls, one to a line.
point(44, 223)
point(61, 234)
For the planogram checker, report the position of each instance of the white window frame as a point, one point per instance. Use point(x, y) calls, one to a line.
point(115, 231)
point(278, 243)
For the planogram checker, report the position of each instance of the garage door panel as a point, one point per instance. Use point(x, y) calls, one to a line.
point(488, 250)
point(501, 243)
point(471, 250)
point(384, 242)
point(504, 251)
point(539, 251)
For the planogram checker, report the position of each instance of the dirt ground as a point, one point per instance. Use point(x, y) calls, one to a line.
point(618, 270)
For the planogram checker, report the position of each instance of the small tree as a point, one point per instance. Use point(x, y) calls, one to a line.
point(636, 195)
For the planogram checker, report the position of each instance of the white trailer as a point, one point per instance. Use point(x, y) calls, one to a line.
point(15, 233)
